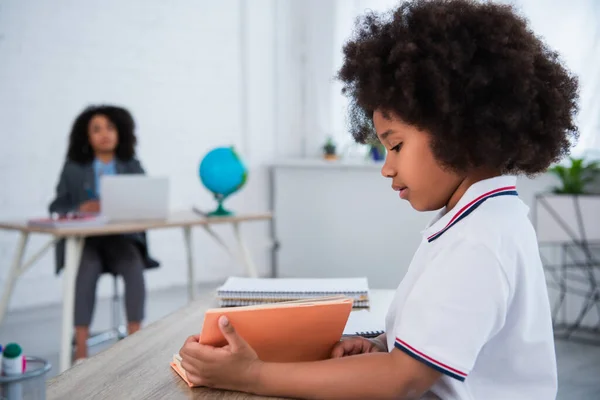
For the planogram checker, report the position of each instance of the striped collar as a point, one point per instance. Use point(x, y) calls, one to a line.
point(475, 195)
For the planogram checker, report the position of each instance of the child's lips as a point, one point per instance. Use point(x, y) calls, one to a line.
point(402, 191)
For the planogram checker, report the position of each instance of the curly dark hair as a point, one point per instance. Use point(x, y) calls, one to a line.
point(473, 75)
point(79, 146)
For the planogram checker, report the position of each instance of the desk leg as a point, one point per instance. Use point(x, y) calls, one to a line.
point(73, 249)
point(13, 274)
point(187, 235)
point(250, 267)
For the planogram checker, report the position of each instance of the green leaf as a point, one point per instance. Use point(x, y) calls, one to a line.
point(575, 177)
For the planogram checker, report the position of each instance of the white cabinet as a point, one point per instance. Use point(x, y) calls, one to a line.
point(337, 219)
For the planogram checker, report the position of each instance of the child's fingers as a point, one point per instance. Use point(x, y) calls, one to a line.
point(189, 342)
point(337, 352)
point(355, 350)
point(195, 380)
point(200, 352)
point(188, 366)
point(345, 347)
point(193, 339)
point(235, 341)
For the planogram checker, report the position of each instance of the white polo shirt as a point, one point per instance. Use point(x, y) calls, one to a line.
point(474, 304)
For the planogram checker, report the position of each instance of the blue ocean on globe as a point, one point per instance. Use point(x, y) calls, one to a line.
point(223, 173)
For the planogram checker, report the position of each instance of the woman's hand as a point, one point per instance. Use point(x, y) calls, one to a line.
point(90, 206)
point(234, 366)
point(357, 345)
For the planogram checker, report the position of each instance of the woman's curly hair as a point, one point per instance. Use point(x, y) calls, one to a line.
point(79, 150)
point(473, 75)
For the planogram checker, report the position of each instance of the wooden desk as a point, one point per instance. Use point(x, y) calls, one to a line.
point(138, 367)
point(75, 238)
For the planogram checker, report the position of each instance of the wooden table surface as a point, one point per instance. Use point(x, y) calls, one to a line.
point(137, 367)
point(178, 219)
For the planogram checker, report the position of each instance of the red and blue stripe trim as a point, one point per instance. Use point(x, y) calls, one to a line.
point(429, 361)
point(469, 208)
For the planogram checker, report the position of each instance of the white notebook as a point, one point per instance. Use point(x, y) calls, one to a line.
point(241, 291)
point(364, 323)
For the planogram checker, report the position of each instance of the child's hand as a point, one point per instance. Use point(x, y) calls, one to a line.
point(235, 366)
point(90, 206)
point(355, 345)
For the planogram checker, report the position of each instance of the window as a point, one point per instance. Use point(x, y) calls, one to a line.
point(572, 28)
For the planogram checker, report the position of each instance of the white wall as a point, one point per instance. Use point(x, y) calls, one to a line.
point(194, 74)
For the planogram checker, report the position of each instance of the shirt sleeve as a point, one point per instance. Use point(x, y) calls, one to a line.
point(63, 202)
point(458, 303)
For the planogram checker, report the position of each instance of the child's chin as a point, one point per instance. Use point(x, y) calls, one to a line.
point(419, 206)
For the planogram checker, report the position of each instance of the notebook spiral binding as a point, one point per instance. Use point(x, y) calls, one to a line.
point(367, 335)
point(248, 294)
point(370, 334)
point(232, 302)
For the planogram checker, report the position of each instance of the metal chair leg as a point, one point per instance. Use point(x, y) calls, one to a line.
point(117, 304)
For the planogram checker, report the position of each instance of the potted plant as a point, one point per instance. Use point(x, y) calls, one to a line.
point(570, 211)
point(576, 177)
point(329, 149)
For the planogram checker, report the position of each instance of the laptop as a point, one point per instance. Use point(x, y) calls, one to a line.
point(134, 197)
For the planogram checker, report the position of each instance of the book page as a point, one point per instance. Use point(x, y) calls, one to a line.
point(295, 285)
point(283, 304)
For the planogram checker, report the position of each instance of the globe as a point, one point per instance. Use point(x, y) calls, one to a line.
point(223, 173)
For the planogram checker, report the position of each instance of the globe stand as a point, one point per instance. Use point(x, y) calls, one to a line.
point(220, 211)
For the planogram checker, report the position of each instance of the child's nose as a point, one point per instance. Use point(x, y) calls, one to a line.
point(387, 171)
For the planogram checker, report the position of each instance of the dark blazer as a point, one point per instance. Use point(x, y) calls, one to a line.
point(76, 180)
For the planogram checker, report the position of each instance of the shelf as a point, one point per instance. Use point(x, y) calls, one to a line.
point(329, 164)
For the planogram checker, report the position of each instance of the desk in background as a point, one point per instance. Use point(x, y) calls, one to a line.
point(137, 367)
point(75, 237)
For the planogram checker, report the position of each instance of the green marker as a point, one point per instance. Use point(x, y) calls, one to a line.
point(13, 362)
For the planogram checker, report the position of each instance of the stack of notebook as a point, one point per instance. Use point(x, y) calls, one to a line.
point(238, 291)
point(289, 320)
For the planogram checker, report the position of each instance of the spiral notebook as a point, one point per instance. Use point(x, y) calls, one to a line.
point(241, 291)
point(364, 323)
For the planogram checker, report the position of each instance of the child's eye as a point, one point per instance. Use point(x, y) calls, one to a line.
point(396, 148)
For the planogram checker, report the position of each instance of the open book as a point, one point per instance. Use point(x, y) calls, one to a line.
point(302, 330)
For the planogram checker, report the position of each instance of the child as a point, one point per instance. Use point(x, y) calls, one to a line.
point(102, 142)
point(464, 97)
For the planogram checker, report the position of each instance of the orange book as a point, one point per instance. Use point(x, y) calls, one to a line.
point(293, 331)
